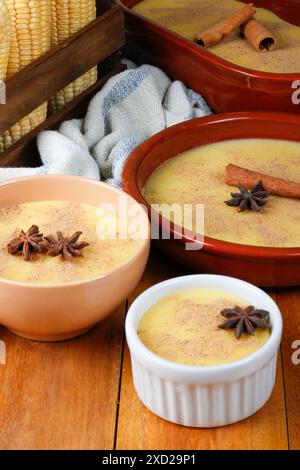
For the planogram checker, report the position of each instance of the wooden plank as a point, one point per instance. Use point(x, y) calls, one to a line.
point(289, 303)
point(62, 395)
point(24, 152)
point(138, 428)
point(40, 80)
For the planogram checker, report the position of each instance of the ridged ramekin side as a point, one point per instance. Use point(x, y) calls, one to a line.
point(198, 405)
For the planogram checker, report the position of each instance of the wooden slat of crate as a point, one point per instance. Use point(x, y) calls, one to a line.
point(44, 77)
point(24, 152)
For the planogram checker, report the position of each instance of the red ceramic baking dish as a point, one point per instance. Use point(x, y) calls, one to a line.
point(226, 87)
point(267, 267)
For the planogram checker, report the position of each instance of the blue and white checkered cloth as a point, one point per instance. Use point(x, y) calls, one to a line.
point(132, 106)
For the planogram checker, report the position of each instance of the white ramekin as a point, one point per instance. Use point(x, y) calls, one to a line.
point(204, 396)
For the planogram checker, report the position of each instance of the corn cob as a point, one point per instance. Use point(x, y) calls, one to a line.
point(29, 39)
point(4, 46)
point(68, 17)
point(4, 39)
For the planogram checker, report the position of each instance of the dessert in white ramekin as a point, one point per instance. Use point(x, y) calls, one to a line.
point(204, 396)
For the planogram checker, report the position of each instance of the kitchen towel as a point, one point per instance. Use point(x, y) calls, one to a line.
point(131, 107)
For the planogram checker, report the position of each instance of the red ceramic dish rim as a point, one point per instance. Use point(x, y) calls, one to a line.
point(204, 53)
point(131, 186)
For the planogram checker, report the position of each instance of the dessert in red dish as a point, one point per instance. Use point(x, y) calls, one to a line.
point(272, 256)
point(226, 86)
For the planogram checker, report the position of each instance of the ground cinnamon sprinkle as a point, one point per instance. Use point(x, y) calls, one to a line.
point(198, 177)
point(68, 217)
point(183, 327)
point(189, 17)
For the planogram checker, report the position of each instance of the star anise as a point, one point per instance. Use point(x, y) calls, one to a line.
point(244, 320)
point(251, 200)
point(28, 243)
point(67, 247)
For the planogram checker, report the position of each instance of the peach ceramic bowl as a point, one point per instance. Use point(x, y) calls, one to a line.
point(258, 265)
point(226, 87)
point(55, 312)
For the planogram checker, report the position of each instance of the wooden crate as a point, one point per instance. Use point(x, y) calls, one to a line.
point(98, 43)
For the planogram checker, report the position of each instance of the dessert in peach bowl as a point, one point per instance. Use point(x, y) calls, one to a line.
point(244, 170)
point(70, 253)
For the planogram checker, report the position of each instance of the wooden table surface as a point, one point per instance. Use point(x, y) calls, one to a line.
point(79, 394)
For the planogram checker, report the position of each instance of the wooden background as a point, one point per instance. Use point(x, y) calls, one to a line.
point(79, 394)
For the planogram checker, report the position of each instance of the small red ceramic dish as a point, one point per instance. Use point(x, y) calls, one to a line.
point(258, 265)
point(226, 87)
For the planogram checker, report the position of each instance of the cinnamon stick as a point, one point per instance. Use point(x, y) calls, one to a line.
point(221, 30)
point(277, 186)
point(258, 36)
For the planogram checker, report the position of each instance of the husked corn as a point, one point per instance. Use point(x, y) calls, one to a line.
point(4, 46)
point(68, 17)
point(29, 39)
point(4, 39)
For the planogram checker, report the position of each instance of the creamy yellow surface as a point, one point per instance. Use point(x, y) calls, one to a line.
point(101, 256)
point(188, 17)
point(183, 328)
point(198, 177)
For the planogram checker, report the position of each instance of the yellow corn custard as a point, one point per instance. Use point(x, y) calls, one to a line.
point(190, 17)
point(102, 255)
point(183, 327)
point(198, 177)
